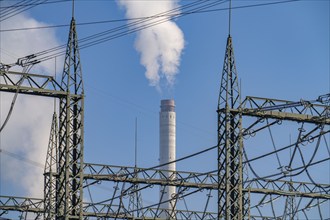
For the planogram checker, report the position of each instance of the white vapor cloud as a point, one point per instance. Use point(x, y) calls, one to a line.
point(27, 131)
point(160, 45)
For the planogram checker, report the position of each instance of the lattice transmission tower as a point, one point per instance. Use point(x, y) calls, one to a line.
point(237, 189)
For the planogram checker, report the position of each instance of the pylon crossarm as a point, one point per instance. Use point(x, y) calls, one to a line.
point(31, 84)
point(149, 176)
point(284, 116)
point(302, 111)
point(288, 188)
point(33, 205)
point(101, 173)
point(23, 204)
point(304, 189)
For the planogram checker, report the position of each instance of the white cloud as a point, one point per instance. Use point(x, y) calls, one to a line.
point(27, 131)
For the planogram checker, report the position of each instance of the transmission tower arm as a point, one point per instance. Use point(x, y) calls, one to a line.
point(189, 180)
point(30, 84)
point(324, 99)
point(195, 180)
point(11, 203)
point(287, 110)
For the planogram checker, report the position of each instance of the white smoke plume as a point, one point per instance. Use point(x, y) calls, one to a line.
point(160, 45)
point(25, 137)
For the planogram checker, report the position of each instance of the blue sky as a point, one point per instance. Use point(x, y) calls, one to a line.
point(281, 51)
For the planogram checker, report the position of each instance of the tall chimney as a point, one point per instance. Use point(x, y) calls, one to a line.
point(167, 148)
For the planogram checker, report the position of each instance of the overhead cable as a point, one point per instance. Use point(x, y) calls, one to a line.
point(18, 10)
point(138, 25)
point(139, 18)
point(123, 30)
point(22, 4)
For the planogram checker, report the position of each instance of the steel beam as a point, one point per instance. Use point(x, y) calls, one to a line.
point(303, 111)
point(31, 84)
point(22, 204)
point(283, 116)
point(98, 210)
point(149, 176)
point(101, 172)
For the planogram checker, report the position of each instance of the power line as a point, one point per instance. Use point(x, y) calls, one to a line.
point(249, 6)
point(33, 4)
point(67, 25)
point(11, 107)
point(135, 26)
point(24, 5)
point(140, 18)
point(19, 157)
point(13, 7)
point(18, 10)
point(132, 27)
point(120, 31)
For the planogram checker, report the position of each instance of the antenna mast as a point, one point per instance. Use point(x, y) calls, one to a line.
point(135, 143)
point(72, 8)
point(229, 20)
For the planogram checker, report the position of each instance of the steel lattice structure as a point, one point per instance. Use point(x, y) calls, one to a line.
point(69, 196)
point(231, 201)
point(235, 190)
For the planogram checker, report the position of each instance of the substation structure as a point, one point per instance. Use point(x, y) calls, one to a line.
point(229, 192)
